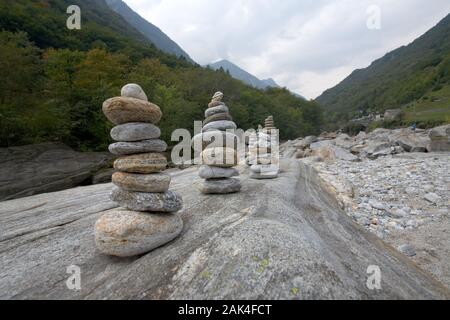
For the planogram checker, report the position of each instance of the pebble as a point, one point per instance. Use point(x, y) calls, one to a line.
point(168, 201)
point(407, 250)
point(209, 172)
point(213, 104)
point(221, 186)
point(135, 131)
point(120, 110)
point(155, 182)
point(432, 197)
point(124, 233)
point(145, 146)
point(141, 163)
point(133, 90)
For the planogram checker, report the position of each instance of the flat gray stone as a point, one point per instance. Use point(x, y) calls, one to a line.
point(215, 110)
point(218, 117)
point(125, 233)
point(145, 146)
point(169, 201)
point(222, 125)
point(133, 90)
point(135, 131)
point(221, 186)
point(154, 182)
point(265, 175)
point(210, 172)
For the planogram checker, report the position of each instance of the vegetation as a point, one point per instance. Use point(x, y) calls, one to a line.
point(404, 77)
point(57, 79)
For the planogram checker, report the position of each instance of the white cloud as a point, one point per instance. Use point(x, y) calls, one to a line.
point(305, 45)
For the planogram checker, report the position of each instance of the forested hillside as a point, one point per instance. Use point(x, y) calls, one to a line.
point(411, 77)
point(56, 79)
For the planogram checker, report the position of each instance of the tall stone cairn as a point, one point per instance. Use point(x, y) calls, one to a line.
point(146, 219)
point(265, 163)
point(219, 157)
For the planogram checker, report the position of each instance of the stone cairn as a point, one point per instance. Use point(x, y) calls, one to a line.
point(147, 218)
point(265, 162)
point(219, 154)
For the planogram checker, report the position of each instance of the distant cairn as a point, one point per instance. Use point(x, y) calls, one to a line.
point(147, 218)
point(219, 155)
point(263, 152)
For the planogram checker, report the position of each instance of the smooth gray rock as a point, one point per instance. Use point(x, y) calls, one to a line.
point(46, 167)
point(169, 201)
point(440, 139)
point(135, 131)
point(222, 125)
point(221, 186)
point(125, 233)
point(287, 239)
point(215, 110)
point(209, 172)
point(264, 175)
point(217, 117)
point(407, 249)
point(145, 146)
point(133, 90)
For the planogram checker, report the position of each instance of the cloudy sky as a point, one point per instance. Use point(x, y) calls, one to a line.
point(307, 46)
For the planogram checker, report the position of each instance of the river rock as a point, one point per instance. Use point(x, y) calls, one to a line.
point(145, 146)
point(121, 110)
point(217, 117)
point(220, 125)
point(220, 157)
point(168, 201)
point(135, 131)
point(133, 90)
point(209, 172)
point(124, 233)
point(141, 163)
point(215, 110)
point(156, 182)
point(221, 186)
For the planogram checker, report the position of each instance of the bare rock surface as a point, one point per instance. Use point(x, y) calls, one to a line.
point(46, 167)
point(280, 239)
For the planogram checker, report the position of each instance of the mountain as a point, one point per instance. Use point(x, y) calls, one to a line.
point(409, 77)
point(58, 79)
point(150, 31)
point(240, 74)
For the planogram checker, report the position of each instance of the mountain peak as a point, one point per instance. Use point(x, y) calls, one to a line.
point(150, 31)
point(240, 74)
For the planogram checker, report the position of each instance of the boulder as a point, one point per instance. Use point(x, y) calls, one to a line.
point(46, 167)
point(124, 233)
point(440, 139)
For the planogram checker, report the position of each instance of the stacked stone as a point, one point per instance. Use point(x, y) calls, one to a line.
point(265, 163)
point(219, 157)
point(147, 218)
